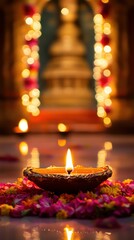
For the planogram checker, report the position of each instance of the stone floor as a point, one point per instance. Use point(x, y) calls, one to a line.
point(43, 150)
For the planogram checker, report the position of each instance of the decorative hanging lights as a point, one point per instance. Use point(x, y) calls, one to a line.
point(102, 61)
point(30, 97)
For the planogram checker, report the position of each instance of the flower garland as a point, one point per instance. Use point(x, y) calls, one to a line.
point(102, 62)
point(30, 97)
point(24, 198)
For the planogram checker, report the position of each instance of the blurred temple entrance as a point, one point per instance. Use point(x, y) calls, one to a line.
point(66, 78)
point(66, 66)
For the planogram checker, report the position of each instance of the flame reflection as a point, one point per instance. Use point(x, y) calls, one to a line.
point(69, 233)
point(34, 161)
point(23, 147)
point(62, 142)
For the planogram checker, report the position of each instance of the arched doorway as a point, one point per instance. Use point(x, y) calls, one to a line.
point(101, 63)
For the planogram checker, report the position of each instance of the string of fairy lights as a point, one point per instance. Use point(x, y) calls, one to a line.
point(102, 61)
point(30, 97)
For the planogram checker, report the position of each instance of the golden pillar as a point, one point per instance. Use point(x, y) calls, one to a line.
point(11, 22)
point(67, 74)
point(123, 91)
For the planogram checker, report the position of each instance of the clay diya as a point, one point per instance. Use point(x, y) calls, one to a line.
point(68, 180)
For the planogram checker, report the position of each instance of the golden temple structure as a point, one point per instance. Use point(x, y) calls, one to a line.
point(67, 74)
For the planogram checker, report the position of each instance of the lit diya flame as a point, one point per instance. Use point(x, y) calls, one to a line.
point(62, 127)
point(23, 125)
point(69, 164)
point(69, 232)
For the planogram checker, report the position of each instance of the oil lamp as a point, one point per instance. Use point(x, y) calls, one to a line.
point(68, 179)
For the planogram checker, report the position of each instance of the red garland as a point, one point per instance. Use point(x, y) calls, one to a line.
point(30, 82)
point(107, 109)
point(29, 10)
point(105, 40)
point(104, 9)
point(104, 81)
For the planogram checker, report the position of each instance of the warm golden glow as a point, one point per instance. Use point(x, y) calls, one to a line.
point(109, 57)
point(30, 60)
point(29, 21)
point(35, 101)
point(34, 93)
point(23, 125)
point(62, 142)
point(28, 37)
point(107, 49)
point(101, 112)
point(35, 48)
point(37, 34)
point(99, 98)
point(108, 102)
point(31, 56)
point(31, 107)
point(26, 50)
point(98, 47)
point(23, 147)
point(25, 73)
point(69, 232)
point(25, 99)
point(65, 11)
point(107, 28)
point(98, 19)
point(34, 161)
point(62, 127)
point(98, 36)
point(108, 145)
point(106, 72)
point(102, 62)
point(107, 121)
point(36, 17)
point(98, 29)
point(107, 90)
point(36, 25)
point(35, 55)
point(105, 1)
point(69, 164)
point(35, 112)
point(102, 154)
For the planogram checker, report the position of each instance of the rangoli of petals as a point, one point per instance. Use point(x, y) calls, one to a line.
point(24, 198)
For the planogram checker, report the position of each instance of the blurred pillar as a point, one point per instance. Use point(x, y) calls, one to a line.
point(11, 40)
point(123, 52)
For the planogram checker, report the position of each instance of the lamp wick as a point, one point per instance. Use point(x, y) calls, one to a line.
point(69, 171)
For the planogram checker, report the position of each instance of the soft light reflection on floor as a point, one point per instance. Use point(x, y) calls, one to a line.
point(52, 229)
point(50, 149)
point(45, 150)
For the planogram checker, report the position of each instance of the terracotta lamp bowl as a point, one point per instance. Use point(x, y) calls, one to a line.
point(55, 179)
